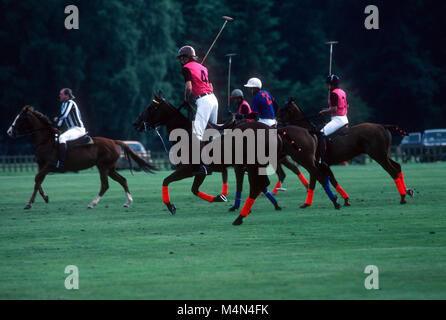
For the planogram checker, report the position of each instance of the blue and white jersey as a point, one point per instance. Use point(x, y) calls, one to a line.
point(70, 116)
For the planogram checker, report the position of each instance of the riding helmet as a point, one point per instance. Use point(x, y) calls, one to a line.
point(187, 51)
point(332, 79)
point(237, 93)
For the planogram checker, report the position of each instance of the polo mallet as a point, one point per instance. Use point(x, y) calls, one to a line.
point(227, 19)
point(230, 55)
point(330, 43)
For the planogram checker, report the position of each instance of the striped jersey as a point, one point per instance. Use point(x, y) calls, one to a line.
point(70, 116)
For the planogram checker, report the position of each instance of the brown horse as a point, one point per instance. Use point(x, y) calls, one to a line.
point(161, 113)
point(102, 152)
point(369, 138)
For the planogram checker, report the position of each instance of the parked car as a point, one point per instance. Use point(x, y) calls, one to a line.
point(411, 146)
point(136, 146)
point(434, 145)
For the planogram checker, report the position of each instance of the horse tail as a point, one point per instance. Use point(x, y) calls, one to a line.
point(392, 127)
point(147, 167)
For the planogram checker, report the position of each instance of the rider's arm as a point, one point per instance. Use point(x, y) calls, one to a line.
point(188, 86)
point(334, 103)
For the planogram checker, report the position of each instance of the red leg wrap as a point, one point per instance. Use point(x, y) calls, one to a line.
point(400, 186)
point(166, 198)
point(276, 186)
point(224, 189)
point(309, 200)
point(401, 176)
point(303, 180)
point(205, 196)
point(341, 191)
point(247, 207)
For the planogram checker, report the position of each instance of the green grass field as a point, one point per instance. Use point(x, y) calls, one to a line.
point(145, 253)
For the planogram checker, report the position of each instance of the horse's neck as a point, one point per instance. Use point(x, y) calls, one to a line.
point(178, 122)
point(44, 137)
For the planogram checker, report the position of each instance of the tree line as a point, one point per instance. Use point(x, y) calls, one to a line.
point(124, 51)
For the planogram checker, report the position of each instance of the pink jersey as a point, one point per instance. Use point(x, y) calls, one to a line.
point(199, 78)
point(342, 103)
point(245, 103)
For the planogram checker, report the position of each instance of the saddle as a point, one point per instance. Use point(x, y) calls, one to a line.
point(342, 131)
point(81, 141)
point(229, 124)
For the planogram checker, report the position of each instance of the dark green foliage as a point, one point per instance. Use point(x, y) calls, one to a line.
point(125, 50)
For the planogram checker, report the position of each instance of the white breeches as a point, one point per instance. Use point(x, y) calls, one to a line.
point(71, 134)
point(207, 111)
point(268, 122)
point(335, 123)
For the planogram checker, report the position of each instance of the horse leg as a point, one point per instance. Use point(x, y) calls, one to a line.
point(180, 173)
point(224, 177)
point(103, 173)
point(281, 175)
point(393, 172)
point(323, 178)
point(198, 180)
point(123, 182)
point(401, 176)
point(257, 183)
point(287, 163)
point(338, 188)
point(239, 171)
point(42, 193)
point(271, 199)
point(40, 176)
point(310, 192)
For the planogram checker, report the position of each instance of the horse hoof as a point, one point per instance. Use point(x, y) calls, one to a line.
point(233, 208)
point(47, 199)
point(126, 205)
point(304, 206)
point(410, 192)
point(277, 208)
point(27, 207)
point(403, 202)
point(238, 221)
point(337, 206)
point(220, 198)
point(347, 202)
point(171, 208)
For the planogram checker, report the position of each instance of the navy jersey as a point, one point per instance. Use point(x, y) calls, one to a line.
point(262, 103)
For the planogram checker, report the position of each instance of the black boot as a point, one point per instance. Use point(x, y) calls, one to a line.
point(321, 149)
point(62, 156)
point(204, 169)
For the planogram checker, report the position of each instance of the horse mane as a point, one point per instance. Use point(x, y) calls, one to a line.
point(43, 118)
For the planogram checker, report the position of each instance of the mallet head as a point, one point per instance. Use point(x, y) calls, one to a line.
point(229, 19)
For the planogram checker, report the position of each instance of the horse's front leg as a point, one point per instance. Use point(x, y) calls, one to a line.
point(40, 176)
point(239, 171)
point(180, 173)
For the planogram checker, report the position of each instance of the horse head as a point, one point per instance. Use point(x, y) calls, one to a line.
point(157, 113)
point(29, 121)
point(290, 113)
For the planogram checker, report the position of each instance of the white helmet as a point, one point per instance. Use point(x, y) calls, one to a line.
point(254, 83)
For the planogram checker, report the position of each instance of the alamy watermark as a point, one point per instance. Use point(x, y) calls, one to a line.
point(371, 22)
point(72, 20)
point(372, 280)
point(72, 281)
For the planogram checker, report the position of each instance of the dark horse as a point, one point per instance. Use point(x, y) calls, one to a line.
point(369, 138)
point(102, 152)
point(161, 113)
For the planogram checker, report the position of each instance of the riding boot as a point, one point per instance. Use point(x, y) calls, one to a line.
point(321, 149)
point(204, 169)
point(62, 155)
